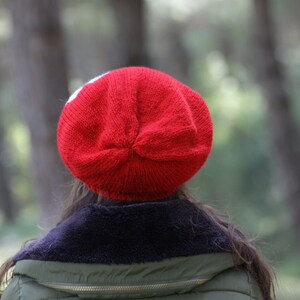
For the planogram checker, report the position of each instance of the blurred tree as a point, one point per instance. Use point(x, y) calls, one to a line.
point(284, 133)
point(176, 59)
point(7, 201)
point(181, 57)
point(41, 74)
point(130, 42)
point(7, 204)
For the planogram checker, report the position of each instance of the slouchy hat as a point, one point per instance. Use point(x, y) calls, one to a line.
point(134, 134)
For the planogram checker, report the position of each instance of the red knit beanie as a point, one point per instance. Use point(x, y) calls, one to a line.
point(134, 134)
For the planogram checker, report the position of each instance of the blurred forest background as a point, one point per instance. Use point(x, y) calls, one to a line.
point(242, 56)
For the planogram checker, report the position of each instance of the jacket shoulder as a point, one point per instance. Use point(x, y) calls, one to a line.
point(25, 288)
point(12, 291)
point(203, 277)
point(234, 284)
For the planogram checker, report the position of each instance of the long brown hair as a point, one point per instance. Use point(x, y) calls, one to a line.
point(245, 254)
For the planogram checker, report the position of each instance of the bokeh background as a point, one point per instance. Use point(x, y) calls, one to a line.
point(242, 56)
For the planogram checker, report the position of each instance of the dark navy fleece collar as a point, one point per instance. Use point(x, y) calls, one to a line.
point(136, 233)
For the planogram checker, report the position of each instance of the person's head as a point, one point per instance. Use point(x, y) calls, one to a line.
point(134, 134)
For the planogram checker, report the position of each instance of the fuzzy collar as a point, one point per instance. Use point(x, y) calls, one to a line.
point(136, 233)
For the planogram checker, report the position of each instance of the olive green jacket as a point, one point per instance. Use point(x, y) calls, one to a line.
point(199, 277)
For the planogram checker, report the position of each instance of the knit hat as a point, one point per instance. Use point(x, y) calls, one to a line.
point(134, 134)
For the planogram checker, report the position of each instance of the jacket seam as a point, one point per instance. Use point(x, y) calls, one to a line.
point(222, 290)
point(250, 286)
point(122, 282)
point(19, 288)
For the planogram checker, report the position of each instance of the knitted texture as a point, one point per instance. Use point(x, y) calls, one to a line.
point(134, 134)
point(137, 233)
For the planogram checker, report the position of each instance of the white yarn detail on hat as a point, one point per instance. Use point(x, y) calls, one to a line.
point(74, 95)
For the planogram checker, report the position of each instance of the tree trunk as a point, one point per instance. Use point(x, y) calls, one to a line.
point(179, 59)
point(41, 82)
point(283, 129)
point(7, 204)
point(130, 27)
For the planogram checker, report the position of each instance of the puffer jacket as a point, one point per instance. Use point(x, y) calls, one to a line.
point(162, 250)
